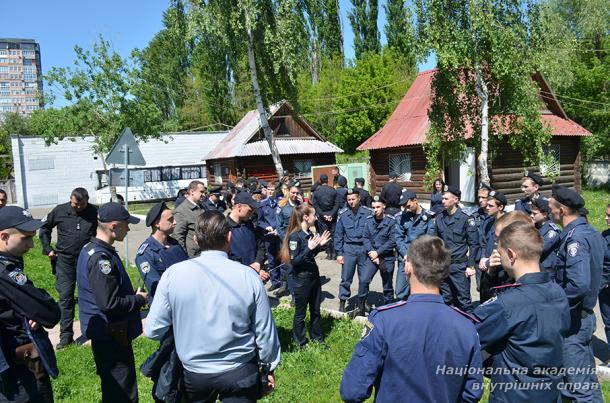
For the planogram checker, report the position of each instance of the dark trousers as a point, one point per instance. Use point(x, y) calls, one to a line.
point(456, 288)
point(604, 308)
point(235, 386)
point(353, 255)
point(272, 247)
point(20, 385)
point(65, 282)
point(116, 367)
point(329, 226)
point(402, 284)
point(368, 272)
point(307, 292)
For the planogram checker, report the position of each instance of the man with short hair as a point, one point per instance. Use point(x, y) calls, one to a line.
point(391, 192)
point(3, 198)
point(334, 171)
point(214, 202)
point(530, 186)
point(491, 276)
point(225, 305)
point(186, 215)
point(410, 351)
point(267, 226)
point(578, 264)
point(365, 196)
point(26, 357)
point(324, 200)
point(108, 306)
point(523, 326)
point(541, 215)
point(480, 217)
point(76, 223)
point(159, 251)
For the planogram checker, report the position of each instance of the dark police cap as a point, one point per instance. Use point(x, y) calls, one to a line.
point(115, 212)
point(216, 190)
point(18, 218)
point(294, 183)
point(342, 181)
point(407, 195)
point(258, 191)
point(246, 198)
point(454, 190)
point(359, 180)
point(568, 197)
point(154, 213)
point(353, 191)
point(535, 177)
point(541, 204)
point(499, 196)
point(378, 199)
point(263, 183)
point(323, 177)
point(484, 185)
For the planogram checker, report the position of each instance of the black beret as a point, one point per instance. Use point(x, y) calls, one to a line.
point(483, 185)
point(453, 190)
point(154, 213)
point(342, 181)
point(359, 180)
point(324, 177)
point(499, 196)
point(351, 191)
point(568, 197)
point(407, 195)
point(541, 204)
point(378, 199)
point(535, 177)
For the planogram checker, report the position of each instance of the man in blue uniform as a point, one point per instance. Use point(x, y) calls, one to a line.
point(159, 251)
point(413, 222)
point(324, 200)
point(267, 226)
point(379, 243)
point(491, 276)
point(530, 186)
point(26, 357)
point(578, 269)
point(480, 216)
point(109, 307)
point(460, 233)
point(604, 293)
point(522, 326)
point(391, 192)
point(214, 201)
point(349, 243)
point(541, 214)
point(419, 350)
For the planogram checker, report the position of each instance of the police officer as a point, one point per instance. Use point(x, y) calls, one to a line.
point(480, 217)
point(267, 225)
point(391, 192)
point(604, 294)
point(349, 243)
point(28, 355)
point(413, 222)
point(460, 233)
point(247, 245)
point(76, 222)
point(530, 186)
point(578, 268)
point(159, 251)
point(379, 243)
point(109, 307)
point(214, 201)
point(334, 171)
point(549, 231)
point(406, 348)
point(491, 276)
point(324, 200)
point(284, 211)
point(341, 187)
point(522, 326)
point(186, 215)
point(365, 196)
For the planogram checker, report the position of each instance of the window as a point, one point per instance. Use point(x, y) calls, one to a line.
point(30, 77)
point(170, 174)
point(400, 165)
point(152, 175)
point(3, 69)
point(39, 164)
point(302, 167)
point(551, 166)
point(192, 172)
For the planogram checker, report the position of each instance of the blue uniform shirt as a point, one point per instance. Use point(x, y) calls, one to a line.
point(350, 227)
point(525, 204)
point(302, 259)
point(152, 259)
point(460, 234)
point(522, 329)
point(283, 218)
point(379, 236)
point(606, 271)
point(550, 235)
point(410, 226)
point(416, 351)
point(247, 244)
point(578, 264)
point(436, 202)
point(266, 214)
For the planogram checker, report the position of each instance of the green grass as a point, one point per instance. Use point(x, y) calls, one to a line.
point(596, 202)
point(142, 208)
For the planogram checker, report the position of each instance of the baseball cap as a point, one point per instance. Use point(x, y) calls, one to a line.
point(115, 212)
point(246, 198)
point(18, 218)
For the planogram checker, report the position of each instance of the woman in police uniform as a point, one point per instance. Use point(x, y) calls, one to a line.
point(299, 250)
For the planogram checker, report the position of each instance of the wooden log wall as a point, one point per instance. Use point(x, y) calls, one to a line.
point(380, 169)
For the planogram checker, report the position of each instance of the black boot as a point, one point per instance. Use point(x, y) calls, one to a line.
point(282, 291)
point(361, 311)
point(367, 307)
point(342, 305)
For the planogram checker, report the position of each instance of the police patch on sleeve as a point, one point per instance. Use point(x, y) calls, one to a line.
point(145, 267)
point(368, 328)
point(551, 234)
point(293, 245)
point(18, 277)
point(105, 266)
point(573, 249)
point(472, 222)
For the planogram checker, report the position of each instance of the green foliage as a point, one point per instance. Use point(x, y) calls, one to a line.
point(363, 19)
point(399, 29)
point(13, 123)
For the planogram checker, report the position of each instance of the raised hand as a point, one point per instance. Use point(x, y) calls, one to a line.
point(325, 238)
point(314, 241)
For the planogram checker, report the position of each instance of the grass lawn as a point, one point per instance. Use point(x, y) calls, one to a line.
point(142, 208)
point(312, 375)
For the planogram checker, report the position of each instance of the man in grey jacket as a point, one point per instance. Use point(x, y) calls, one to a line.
point(186, 215)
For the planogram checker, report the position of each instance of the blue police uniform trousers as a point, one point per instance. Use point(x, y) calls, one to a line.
point(456, 288)
point(604, 308)
point(368, 272)
point(402, 289)
point(578, 354)
point(353, 254)
point(272, 247)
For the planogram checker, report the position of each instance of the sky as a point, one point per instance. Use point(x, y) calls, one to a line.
point(59, 25)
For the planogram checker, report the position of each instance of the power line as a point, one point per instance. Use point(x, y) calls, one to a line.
point(575, 99)
point(570, 103)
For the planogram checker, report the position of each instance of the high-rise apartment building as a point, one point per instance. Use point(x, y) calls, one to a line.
point(20, 76)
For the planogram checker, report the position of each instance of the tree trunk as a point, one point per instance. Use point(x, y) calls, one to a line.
point(483, 94)
point(275, 154)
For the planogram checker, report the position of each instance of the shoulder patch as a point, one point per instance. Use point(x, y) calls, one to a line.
point(142, 248)
point(368, 328)
point(293, 245)
point(390, 306)
point(144, 266)
point(343, 210)
point(573, 249)
point(105, 266)
point(555, 226)
point(91, 252)
point(472, 222)
point(472, 318)
point(491, 300)
point(551, 234)
point(18, 277)
point(424, 217)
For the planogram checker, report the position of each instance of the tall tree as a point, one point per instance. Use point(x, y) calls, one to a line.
point(363, 19)
point(399, 29)
point(486, 54)
point(324, 33)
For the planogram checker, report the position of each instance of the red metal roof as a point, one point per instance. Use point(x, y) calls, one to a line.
point(409, 123)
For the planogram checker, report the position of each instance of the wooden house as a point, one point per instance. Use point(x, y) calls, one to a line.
point(397, 148)
point(245, 152)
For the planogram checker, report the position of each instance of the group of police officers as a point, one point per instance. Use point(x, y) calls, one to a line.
point(370, 234)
